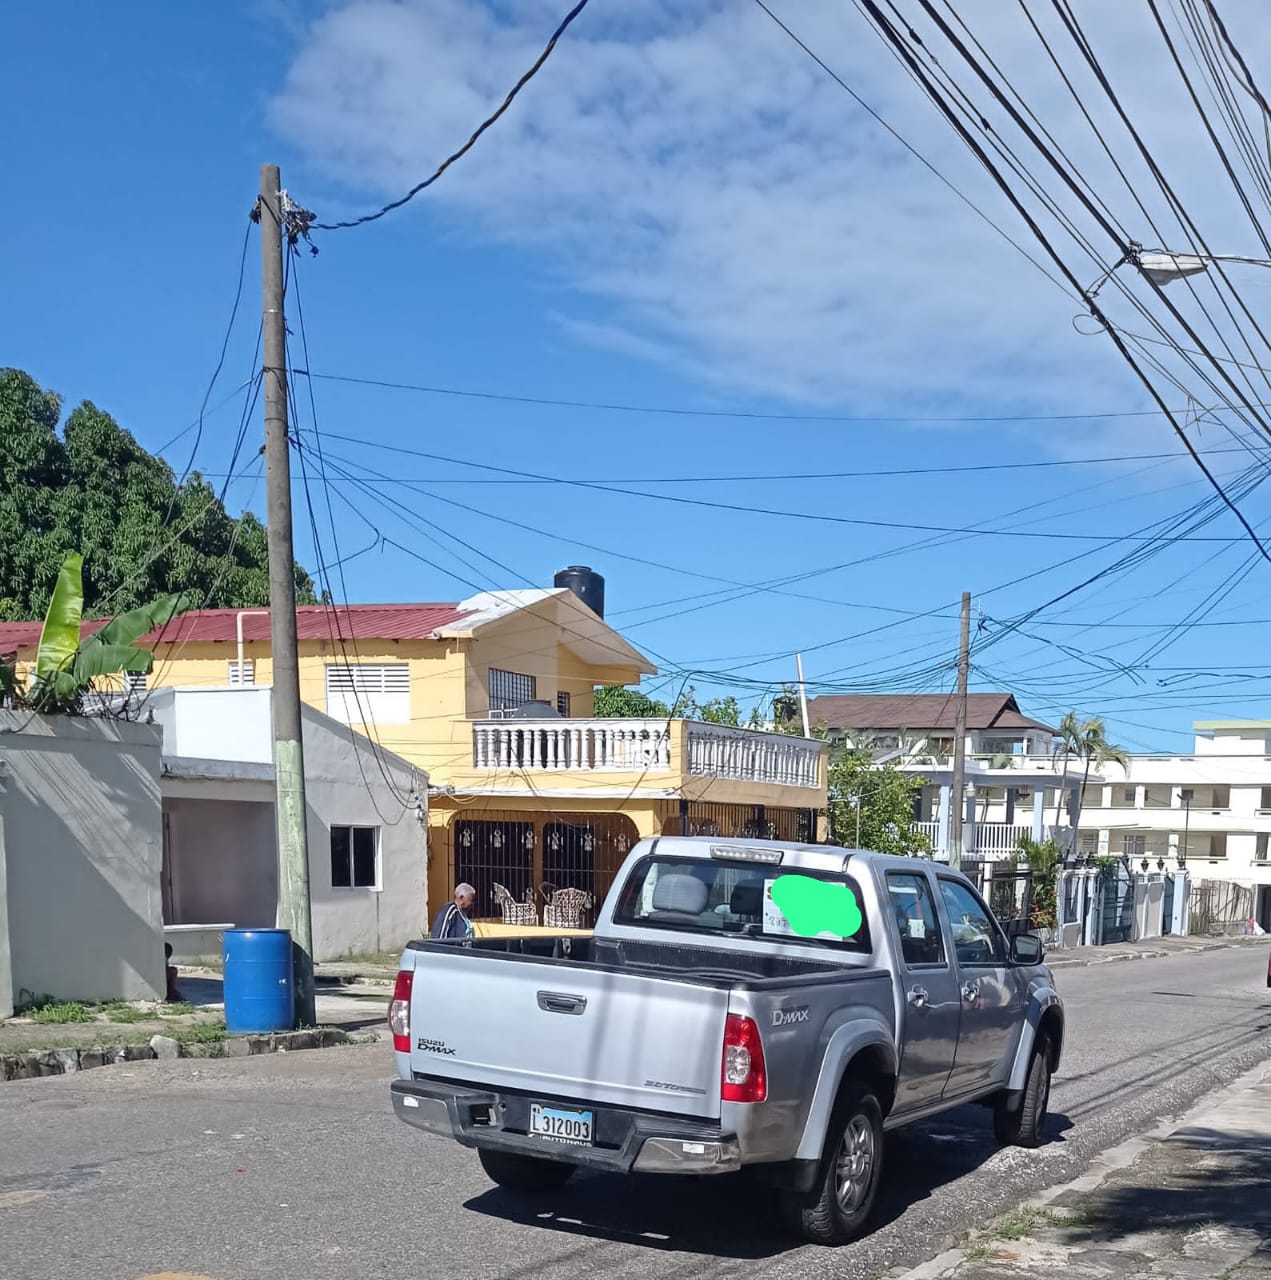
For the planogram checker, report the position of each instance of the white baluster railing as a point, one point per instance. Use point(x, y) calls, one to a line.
point(749, 755)
point(553, 746)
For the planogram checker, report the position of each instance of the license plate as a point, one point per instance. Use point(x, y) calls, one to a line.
point(560, 1125)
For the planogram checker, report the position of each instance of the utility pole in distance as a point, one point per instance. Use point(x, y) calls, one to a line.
point(290, 809)
point(957, 802)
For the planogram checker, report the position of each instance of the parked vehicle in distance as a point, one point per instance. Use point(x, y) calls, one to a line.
point(740, 1004)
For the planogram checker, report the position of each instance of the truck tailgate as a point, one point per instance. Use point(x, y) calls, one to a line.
point(580, 1032)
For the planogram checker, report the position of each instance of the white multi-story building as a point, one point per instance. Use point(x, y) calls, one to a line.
point(1211, 808)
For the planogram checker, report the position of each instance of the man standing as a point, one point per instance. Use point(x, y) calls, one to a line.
point(452, 922)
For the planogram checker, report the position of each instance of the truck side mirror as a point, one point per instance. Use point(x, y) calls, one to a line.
point(1026, 948)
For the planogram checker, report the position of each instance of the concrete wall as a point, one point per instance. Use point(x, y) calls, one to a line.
point(6, 970)
point(83, 855)
point(222, 866)
point(345, 787)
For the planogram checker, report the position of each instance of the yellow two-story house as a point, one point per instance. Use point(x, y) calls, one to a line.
point(492, 698)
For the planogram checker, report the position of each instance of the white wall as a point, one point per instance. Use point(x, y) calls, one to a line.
point(345, 787)
point(83, 853)
point(200, 723)
point(6, 972)
point(222, 861)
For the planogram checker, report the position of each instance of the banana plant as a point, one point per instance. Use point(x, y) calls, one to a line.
point(66, 665)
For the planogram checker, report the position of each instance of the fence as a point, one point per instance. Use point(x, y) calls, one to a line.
point(1220, 908)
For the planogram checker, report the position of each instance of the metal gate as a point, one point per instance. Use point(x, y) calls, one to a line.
point(1011, 899)
point(1167, 905)
point(1117, 918)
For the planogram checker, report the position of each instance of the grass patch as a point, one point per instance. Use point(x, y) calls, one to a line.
point(1023, 1222)
point(201, 1032)
point(122, 1011)
point(175, 1008)
point(59, 1011)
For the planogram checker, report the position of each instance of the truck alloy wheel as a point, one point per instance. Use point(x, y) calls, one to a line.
point(516, 1172)
point(849, 1182)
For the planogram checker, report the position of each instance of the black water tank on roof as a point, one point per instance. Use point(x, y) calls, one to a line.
point(588, 586)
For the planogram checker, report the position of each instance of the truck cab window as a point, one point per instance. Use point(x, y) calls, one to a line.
point(977, 939)
point(921, 942)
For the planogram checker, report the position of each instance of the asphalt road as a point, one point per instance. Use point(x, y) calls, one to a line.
point(293, 1167)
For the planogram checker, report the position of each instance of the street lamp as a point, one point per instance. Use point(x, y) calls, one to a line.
point(1162, 267)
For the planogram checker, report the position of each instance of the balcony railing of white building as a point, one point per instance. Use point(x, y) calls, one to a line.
point(647, 746)
point(991, 841)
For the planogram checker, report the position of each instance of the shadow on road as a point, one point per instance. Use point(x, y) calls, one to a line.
point(736, 1216)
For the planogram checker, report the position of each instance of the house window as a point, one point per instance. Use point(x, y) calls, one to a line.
point(355, 857)
point(562, 704)
point(1264, 801)
point(135, 681)
point(1260, 851)
point(369, 693)
point(241, 672)
point(509, 690)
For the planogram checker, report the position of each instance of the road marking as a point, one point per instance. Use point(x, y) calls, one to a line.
point(175, 1275)
point(14, 1199)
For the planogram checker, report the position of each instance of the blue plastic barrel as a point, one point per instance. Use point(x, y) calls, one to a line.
point(259, 994)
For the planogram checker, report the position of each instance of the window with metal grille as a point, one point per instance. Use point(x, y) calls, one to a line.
point(509, 690)
point(371, 693)
point(135, 681)
point(562, 704)
point(241, 672)
point(355, 857)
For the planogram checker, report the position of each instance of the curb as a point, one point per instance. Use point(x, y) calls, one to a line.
point(352, 980)
point(1057, 961)
point(37, 1063)
point(1106, 1162)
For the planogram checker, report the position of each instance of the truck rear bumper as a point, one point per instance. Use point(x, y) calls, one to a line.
point(628, 1141)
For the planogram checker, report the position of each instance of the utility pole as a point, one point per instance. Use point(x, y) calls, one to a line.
point(289, 772)
point(957, 803)
point(803, 695)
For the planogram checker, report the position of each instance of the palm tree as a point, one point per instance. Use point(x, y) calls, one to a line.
point(1067, 746)
point(1087, 740)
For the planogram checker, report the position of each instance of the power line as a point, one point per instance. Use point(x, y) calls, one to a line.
point(686, 412)
point(473, 139)
point(854, 521)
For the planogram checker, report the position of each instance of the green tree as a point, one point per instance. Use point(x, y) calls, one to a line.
point(616, 702)
point(95, 490)
point(884, 796)
point(68, 667)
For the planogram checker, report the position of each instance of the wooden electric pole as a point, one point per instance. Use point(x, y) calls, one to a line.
point(957, 801)
point(289, 771)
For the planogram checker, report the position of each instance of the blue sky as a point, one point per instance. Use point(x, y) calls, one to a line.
point(680, 212)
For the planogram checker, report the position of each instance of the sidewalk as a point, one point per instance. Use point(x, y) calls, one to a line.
point(1189, 1202)
point(1168, 945)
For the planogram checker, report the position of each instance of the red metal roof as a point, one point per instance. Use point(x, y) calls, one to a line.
point(313, 622)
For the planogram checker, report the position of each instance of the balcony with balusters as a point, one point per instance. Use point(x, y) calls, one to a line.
point(684, 758)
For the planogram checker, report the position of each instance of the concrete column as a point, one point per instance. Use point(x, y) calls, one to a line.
point(942, 836)
point(1039, 812)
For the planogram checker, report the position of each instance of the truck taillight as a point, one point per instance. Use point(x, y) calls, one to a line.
point(743, 1077)
point(399, 1011)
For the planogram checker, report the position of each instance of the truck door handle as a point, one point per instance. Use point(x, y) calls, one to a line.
point(970, 991)
point(917, 997)
point(559, 1002)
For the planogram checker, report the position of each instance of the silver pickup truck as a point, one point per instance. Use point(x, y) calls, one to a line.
point(739, 1003)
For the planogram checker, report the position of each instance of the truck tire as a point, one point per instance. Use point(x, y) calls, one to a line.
point(516, 1172)
point(850, 1176)
point(1022, 1126)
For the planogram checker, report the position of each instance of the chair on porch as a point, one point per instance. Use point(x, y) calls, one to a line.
point(517, 913)
point(565, 908)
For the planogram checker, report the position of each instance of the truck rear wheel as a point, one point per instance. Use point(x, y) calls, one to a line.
point(850, 1175)
point(1021, 1126)
point(524, 1173)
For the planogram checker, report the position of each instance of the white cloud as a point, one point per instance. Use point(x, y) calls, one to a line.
point(737, 213)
